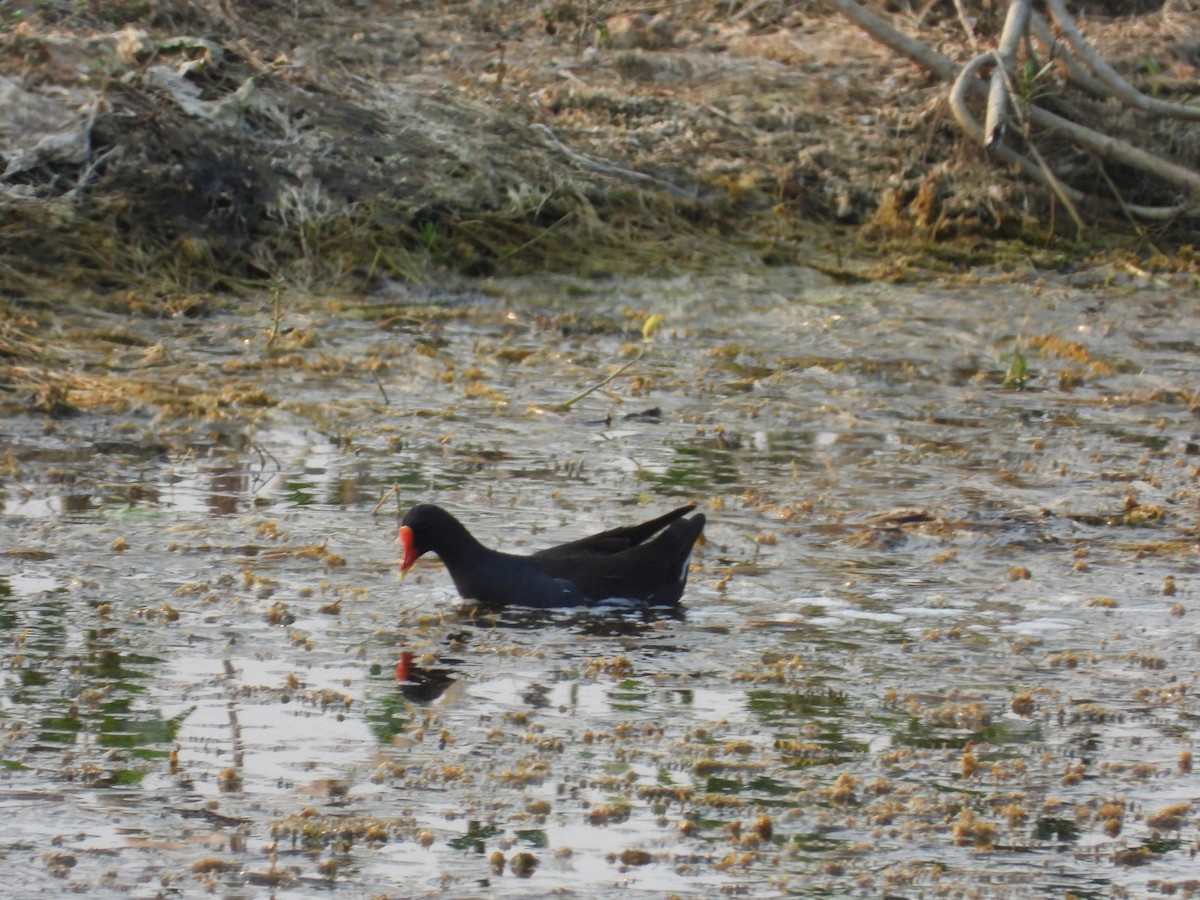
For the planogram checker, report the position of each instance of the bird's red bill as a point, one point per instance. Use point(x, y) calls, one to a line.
point(409, 554)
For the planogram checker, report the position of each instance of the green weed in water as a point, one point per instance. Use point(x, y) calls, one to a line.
point(1018, 369)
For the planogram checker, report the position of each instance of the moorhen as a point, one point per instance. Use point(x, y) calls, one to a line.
point(637, 565)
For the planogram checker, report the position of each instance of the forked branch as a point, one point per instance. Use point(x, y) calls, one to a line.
point(1005, 106)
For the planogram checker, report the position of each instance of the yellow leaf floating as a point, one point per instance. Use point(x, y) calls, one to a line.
point(651, 325)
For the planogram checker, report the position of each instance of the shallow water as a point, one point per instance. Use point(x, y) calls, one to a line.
point(938, 641)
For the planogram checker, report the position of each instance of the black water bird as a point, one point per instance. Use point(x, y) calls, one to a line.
point(635, 565)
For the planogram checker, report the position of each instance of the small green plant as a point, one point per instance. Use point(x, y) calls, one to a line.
point(1154, 69)
point(1033, 82)
point(9, 18)
point(121, 15)
point(1018, 369)
point(430, 237)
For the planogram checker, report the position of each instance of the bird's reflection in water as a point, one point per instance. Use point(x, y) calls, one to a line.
point(599, 622)
point(426, 684)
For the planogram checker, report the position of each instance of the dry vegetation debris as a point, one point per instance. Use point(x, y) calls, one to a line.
point(203, 146)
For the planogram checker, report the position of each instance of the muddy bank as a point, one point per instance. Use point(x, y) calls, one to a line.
point(187, 146)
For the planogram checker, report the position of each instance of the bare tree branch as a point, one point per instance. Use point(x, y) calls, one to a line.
point(1035, 169)
point(942, 66)
point(1075, 72)
point(1106, 73)
point(1022, 21)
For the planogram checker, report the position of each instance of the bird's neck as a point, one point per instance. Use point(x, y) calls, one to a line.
point(458, 545)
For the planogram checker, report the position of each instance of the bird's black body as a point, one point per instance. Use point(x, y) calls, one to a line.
point(645, 565)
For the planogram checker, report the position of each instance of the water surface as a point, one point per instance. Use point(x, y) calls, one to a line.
point(939, 635)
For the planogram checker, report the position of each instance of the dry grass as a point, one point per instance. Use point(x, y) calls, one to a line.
point(311, 144)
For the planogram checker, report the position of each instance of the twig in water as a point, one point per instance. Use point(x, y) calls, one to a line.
point(276, 315)
point(394, 489)
point(379, 384)
point(648, 329)
point(566, 405)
